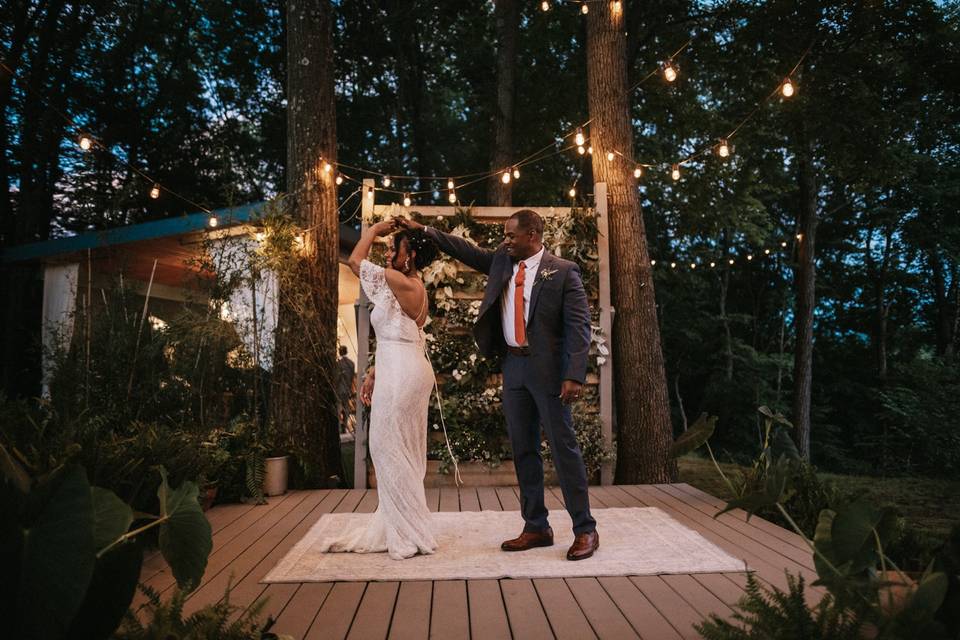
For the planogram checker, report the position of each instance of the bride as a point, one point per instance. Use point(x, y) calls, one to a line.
point(400, 386)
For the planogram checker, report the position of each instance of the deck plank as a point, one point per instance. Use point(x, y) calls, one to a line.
point(468, 499)
point(372, 621)
point(563, 612)
point(337, 613)
point(488, 613)
point(449, 499)
point(411, 617)
point(638, 609)
point(676, 610)
point(524, 610)
point(603, 613)
point(450, 614)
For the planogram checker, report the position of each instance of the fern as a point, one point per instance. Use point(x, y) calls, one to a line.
point(256, 470)
point(763, 613)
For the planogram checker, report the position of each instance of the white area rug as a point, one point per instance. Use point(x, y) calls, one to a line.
point(634, 541)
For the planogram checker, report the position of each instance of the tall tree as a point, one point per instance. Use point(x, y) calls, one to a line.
point(507, 17)
point(302, 395)
point(642, 399)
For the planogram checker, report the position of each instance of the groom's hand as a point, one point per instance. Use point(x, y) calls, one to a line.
point(570, 392)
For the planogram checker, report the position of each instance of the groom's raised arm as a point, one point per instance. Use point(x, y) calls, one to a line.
point(463, 250)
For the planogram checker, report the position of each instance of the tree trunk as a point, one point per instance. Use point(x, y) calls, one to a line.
point(507, 15)
point(805, 276)
point(642, 398)
point(412, 93)
point(303, 395)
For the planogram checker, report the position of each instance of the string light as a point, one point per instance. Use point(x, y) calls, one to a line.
point(386, 181)
point(85, 143)
point(452, 198)
point(712, 264)
point(673, 265)
point(213, 222)
point(693, 265)
point(590, 149)
point(584, 9)
point(653, 263)
point(155, 191)
point(327, 167)
point(675, 172)
point(609, 156)
point(616, 6)
point(406, 200)
point(450, 184)
point(749, 257)
point(638, 172)
point(731, 260)
point(724, 149)
point(338, 179)
point(669, 71)
point(505, 178)
point(573, 192)
point(545, 5)
point(787, 88)
point(579, 139)
point(581, 149)
point(783, 244)
point(766, 252)
point(516, 173)
point(799, 236)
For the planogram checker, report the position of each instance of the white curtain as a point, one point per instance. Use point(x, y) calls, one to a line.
point(59, 303)
point(253, 303)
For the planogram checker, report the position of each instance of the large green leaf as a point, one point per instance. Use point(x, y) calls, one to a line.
point(112, 517)
point(854, 534)
point(929, 595)
point(694, 437)
point(57, 556)
point(110, 593)
point(185, 535)
point(781, 444)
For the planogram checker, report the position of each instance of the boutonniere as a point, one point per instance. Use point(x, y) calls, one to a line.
point(545, 274)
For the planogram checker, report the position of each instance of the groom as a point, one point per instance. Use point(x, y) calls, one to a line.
point(535, 314)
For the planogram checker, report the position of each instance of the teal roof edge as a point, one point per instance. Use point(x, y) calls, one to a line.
point(131, 233)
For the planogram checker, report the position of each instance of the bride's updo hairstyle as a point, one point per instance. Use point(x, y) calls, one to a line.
point(417, 241)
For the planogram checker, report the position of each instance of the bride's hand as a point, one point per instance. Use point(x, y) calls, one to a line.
point(366, 389)
point(406, 223)
point(383, 228)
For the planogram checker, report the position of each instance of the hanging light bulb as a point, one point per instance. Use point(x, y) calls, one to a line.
point(675, 172)
point(766, 252)
point(505, 177)
point(693, 265)
point(155, 191)
point(338, 179)
point(784, 244)
point(731, 260)
point(724, 149)
point(799, 236)
point(450, 183)
point(616, 6)
point(787, 88)
point(653, 263)
point(573, 192)
point(749, 256)
point(545, 5)
point(579, 139)
point(406, 200)
point(609, 156)
point(386, 181)
point(669, 71)
point(85, 143)
point(370, 193)
point(712, 264)
point(452, 198)
point(213, 221)
point(673, 265)
point(516, 173)
point(327, 167)
point(581, 149)
point(590, 149)
point(638, 172)
point(584, 9)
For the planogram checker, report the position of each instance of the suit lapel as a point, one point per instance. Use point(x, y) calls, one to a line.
point(546, 262)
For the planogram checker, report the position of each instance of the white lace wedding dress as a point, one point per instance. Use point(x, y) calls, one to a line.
point(398, 432)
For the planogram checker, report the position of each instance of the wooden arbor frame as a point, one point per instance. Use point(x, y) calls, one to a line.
point(494, 214)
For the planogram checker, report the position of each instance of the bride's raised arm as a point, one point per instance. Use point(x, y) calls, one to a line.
point(362, 248)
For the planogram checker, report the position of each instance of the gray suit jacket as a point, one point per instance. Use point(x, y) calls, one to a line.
point(558, 323)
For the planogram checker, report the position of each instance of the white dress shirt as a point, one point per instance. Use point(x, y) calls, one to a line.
point(506, 300)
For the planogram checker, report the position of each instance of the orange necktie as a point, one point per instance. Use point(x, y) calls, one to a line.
point(519, 326)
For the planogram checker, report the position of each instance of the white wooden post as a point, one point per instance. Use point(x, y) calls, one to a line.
point(606, 323)
point(363, 353)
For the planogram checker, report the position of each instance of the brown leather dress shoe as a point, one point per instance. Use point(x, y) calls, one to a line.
point(584, 544)
point(529, 540)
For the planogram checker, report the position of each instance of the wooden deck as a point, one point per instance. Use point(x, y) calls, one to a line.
point(249, 540)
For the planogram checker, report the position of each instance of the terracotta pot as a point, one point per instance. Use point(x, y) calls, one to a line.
point(275, 476)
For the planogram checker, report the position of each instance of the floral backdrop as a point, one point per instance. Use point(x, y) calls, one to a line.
point(470, 384)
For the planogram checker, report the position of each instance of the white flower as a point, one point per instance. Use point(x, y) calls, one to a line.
point(601, 360)
point(473, 357)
